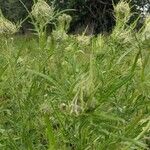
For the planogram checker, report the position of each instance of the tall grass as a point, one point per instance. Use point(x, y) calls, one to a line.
point(76, 92)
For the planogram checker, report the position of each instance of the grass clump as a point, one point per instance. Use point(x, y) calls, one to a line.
point(75, 92)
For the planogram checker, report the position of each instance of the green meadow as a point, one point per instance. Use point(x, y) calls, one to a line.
point(74, 92)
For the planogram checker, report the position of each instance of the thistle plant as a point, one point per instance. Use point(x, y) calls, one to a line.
point(41, 15)
point(122, 12)
point(63, 24)
point(78, 92)
point(122, 32)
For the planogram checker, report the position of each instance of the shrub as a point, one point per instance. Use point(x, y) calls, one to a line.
point(90, 13)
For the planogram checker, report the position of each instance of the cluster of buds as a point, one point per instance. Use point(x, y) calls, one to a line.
point(64, 22)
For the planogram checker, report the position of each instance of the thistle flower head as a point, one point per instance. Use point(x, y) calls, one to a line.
point(6, 26)
point(122, 11)
point(41, 11)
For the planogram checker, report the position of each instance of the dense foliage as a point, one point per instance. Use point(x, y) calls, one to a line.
point(14, 10)
point(97, 15)
point(74, 92)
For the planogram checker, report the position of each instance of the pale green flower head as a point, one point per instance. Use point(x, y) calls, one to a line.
point(6, 26)
point(122, 11)
point(41, 11)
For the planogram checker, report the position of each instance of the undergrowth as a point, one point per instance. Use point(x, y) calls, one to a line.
point(75, 92)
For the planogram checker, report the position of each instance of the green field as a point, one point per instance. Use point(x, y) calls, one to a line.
point(75, 92)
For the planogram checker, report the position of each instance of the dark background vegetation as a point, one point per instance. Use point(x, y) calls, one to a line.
point(97, 15)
